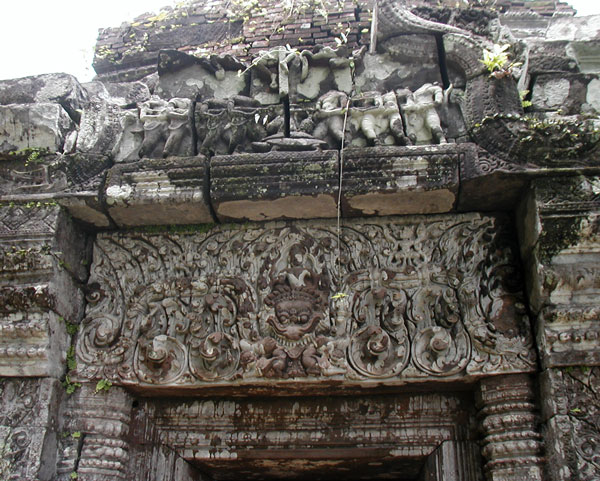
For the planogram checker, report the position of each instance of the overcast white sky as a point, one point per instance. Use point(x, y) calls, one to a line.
point(42, 36)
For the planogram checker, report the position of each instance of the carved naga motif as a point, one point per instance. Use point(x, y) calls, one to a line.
point(413, 301)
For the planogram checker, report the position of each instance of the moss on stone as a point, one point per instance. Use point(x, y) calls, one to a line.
point(558, 234)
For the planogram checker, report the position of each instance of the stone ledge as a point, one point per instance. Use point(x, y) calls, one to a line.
point(401, 180)
point(275, 185)
point(156, 191)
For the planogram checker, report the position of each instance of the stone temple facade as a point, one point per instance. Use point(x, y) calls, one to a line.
point(307, 240)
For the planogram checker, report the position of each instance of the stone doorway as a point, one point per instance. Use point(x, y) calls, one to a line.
point(400, 437)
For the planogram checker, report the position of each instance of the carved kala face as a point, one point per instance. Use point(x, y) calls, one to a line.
point(294, 318)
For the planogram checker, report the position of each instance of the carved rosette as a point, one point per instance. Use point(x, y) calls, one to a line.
point(407, 300)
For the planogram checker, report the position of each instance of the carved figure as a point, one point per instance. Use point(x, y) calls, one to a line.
point(153, 114)
point(180, 135)
point(128, 145)
point(231, 125)
point(421, 118)
point(377, 116)
point(274, 361)
point(298, 307)
point(330, 117)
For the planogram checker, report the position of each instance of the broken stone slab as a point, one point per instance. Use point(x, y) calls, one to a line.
point(23, 177)
point(158, 192)
point(100, 127)
point(561, 91)
point(274, 185)
point(587, 55)
point(564, 147)
point(59, 88)
point(122, 94)
point(84, 174)
point(574, 28)
point(525, 24)
point(182, 75)
point(41, 126)
point(548, 57)
point(401, 180)
point(405, 61)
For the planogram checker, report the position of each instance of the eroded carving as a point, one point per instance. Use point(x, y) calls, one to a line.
point(421, 117)
point(260, 303)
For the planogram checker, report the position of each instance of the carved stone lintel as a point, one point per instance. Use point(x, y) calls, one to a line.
point(512, 444)
point(275, 185)
point(408, 301)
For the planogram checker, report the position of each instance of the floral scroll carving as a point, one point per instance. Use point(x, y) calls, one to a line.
point(408, 300)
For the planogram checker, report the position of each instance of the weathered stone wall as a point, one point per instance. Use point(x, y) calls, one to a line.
point(422, 303)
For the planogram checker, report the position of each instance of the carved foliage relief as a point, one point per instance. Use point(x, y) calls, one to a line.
point(402, 300)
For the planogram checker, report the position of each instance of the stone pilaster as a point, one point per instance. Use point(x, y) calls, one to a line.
point(560, 245)
point(512, 445)
point(100, 421)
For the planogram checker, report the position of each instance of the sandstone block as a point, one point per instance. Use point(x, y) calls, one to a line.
point(35, 126)
point(275, 185)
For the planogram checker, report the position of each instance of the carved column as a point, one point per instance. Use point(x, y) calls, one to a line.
point(560, 244)
point(512, 446)
point(100, 449)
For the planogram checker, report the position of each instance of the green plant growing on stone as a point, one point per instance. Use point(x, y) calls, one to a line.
point(71, 362)
point(103, 385)
point(242, 10)
point(496, 61)
point(343, 38)
point(296, 8)
point(524, 103)
point(71, 327)
point(70, 386)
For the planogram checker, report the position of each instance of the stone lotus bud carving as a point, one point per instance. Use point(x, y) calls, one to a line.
point(216, 357)
point(160, 359)
point(421, 118)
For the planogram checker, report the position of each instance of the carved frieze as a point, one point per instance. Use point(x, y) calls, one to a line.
point(395, 301)
point(225, 126)
point(28, 420)
point(571, 408)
